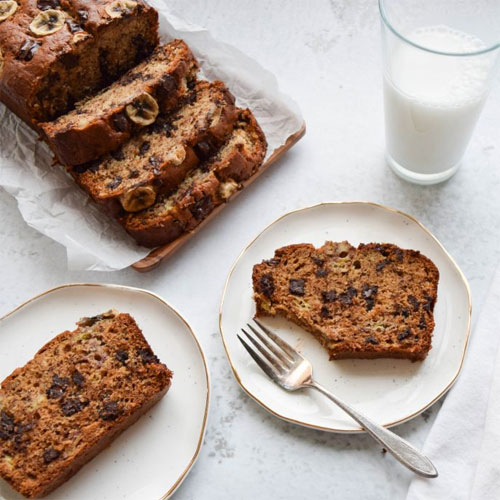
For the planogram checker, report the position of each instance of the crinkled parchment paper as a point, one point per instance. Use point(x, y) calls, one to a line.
point(50, 201)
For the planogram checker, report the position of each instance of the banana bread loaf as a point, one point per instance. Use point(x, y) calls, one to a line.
point(102, 123)
point(372, 301)
point(54, 53)
point(157, 159)
point(79, 392)
point(204, 189)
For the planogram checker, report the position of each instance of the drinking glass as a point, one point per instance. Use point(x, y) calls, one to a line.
point(439, 60)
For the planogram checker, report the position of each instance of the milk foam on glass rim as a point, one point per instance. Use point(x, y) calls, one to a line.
point(432, 103)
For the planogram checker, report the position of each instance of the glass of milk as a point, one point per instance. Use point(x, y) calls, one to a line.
point(440, 58)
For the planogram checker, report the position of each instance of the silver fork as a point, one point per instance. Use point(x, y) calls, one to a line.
point(290, 370)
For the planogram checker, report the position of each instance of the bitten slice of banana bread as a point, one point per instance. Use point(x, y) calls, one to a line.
point(53, 53)
point(373, 301)
point(104, 122)
point(79, 392)
point(204, 189)
point(157, 159)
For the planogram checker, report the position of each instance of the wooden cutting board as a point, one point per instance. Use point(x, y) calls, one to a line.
point(162, 253)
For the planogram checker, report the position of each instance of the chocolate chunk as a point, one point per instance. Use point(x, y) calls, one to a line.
point(369, 291)
point(110, 411)
point(329, 296)
point(118, 155)
point(325, 312)
point(383, 250)
point(398, 253)
point(77, 378)
point(70, 406)
point(48, 4)
point(204, 150)
point(321, 273)
point(414, 302)
point(404, 334)
point(91, 320)
point(202, 207)
point(133, 174)
point(73, 26)
point(382, 264)
point(143, 47)
point(28, 50)
point(18, 435)
point(352, 292)
point(144, 148)
point(272, 262)
point(114, 183)
point(422, 323)
point(120, 122)
point(369, 303)
point(371, 340)
point(357, 264)
point(58, 387)
point(147, 356)
point(49, 455)
point(156, 161)
point(267, 285)
point(428, 305)
point(7, 425)
point(297, 287)
point(345, 298)
point(83, 14)
point(318, 262)
point(168, 85)
point(405, 313)
point(121, 355)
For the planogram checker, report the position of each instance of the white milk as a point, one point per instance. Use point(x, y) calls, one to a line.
point(432, 102)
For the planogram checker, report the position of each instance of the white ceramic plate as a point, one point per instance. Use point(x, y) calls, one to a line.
point(151, 458)
point(387, 390)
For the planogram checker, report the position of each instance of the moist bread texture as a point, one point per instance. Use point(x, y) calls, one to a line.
point(210, 185)
point(159, 157)
point(102, 123)
point(80, 391)
point(54, 53)
point(373, 301)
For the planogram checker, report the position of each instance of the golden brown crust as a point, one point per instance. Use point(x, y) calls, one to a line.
point(372, 301)
point(206, 188)
point(79, 392)
point(100, 124)
point(43, 76)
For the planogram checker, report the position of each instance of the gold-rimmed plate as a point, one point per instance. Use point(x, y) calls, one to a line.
point(389, 391)
point(151, 458)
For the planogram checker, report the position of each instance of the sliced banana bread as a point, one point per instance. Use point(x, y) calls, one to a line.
point(104, 122)
point(79, 392)
point(204, 189)
point(157, 159)
point(373, 301)
point(53, 53)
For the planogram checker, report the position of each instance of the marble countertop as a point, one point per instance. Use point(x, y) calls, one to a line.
point(326, 55)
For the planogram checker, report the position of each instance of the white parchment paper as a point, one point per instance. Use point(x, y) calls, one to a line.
point(50, 201)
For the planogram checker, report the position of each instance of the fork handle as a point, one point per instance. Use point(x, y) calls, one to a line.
point(401, 449)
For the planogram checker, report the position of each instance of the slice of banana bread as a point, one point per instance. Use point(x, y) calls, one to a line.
point(80, 391)
point(53, 53)
point(157, 159)
point(104, 122)
point(373, 301)
point(204, 189)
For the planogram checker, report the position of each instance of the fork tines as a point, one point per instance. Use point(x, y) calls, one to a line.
point(276, 356)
